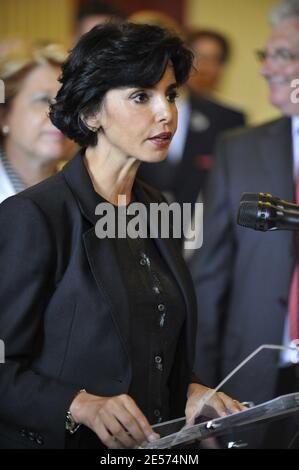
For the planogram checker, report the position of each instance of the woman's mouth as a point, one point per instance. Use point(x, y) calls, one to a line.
point(161, 140)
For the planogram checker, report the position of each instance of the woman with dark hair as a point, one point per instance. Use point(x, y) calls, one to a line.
point(99, 332)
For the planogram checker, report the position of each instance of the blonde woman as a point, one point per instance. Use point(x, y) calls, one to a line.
point(30, 146)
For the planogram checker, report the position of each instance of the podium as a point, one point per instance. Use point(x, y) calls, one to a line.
point(174, 434)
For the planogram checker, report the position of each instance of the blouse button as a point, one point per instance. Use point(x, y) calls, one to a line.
point(161, 307)
point(145, 261)
point(158, 361)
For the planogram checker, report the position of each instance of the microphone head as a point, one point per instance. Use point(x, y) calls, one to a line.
point(247, 214)
point(257, 215)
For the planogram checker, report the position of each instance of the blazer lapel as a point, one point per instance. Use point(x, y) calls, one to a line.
point(100, 252)
point(106, 271)
point(277, 143)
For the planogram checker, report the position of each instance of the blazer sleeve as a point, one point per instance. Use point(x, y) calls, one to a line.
point(27, 259)
point(211, 269)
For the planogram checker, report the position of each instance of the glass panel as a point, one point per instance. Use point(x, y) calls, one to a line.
point(273, 423)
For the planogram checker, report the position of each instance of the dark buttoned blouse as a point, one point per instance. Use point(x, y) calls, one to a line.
point(157, 315)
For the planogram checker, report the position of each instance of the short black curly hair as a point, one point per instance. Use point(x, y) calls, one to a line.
point(111, 56)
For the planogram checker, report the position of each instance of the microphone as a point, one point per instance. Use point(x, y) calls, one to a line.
point(265, 197)
point(265, 216)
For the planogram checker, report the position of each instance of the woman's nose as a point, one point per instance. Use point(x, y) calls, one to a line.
point(165, 111)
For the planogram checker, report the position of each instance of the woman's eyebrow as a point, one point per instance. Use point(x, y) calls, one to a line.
point(172, 86)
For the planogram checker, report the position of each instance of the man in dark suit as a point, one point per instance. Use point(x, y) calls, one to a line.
point(183, 174)
point(243, 277)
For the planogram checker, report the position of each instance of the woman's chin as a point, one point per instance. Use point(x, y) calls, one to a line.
point(155, 158)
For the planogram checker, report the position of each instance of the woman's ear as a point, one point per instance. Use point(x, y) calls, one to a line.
point(91, 122)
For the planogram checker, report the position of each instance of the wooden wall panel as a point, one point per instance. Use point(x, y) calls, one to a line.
point(36, 19)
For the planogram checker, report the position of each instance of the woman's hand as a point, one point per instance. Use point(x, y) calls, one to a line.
point(203, 401)
point(117, 421)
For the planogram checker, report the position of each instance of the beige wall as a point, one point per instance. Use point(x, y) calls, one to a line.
point(36, 19)
point(245, 22)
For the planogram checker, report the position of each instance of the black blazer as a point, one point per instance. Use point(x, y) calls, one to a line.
point(242, 277)
point(64, 309)
point(208, 119)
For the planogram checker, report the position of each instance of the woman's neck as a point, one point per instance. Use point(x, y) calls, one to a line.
point(112, 175)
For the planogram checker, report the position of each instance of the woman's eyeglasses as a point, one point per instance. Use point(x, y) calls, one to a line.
point(282, 56)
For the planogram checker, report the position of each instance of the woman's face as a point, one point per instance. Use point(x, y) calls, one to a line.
point(139, 122)
point(32, 135)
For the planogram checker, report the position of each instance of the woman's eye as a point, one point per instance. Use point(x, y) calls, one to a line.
point(140, 98)
point(42, 99)
point(172, 96)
